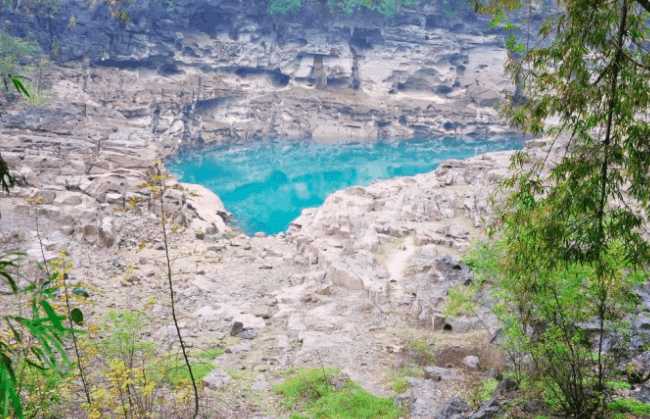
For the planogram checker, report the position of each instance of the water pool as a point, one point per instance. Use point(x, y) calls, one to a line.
point(266, 185)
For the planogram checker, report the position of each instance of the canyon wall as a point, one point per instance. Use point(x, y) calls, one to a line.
point(227, 71)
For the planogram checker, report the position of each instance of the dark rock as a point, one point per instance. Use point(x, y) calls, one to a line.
point(443, 89)
point(236, 328)
point(453, 270)
point(488, 410)
point(638, 370)
point(507, 385)
point(454, 408)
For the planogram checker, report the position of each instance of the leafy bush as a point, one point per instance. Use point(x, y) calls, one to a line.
point(399, 384)
point(313, 393)
point(131, 377)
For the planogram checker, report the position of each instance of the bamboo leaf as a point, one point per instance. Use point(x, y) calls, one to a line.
point(77, 316)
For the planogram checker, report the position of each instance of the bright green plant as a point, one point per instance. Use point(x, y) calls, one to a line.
point(634, 407)
point(29, 344)
point(312, 393)
point(461, 301)
point(176, 373)
point(12, 50)
point(483, 259)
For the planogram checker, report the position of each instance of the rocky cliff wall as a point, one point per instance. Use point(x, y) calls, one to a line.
point(227, 71)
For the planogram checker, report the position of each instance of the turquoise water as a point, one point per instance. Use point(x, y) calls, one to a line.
point(266, 186)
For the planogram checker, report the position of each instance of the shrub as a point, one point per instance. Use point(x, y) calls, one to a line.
point(131, 376)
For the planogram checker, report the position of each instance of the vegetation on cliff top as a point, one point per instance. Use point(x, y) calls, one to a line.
point(348, 7)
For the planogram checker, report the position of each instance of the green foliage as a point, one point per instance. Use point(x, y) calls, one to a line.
point(43, 390)
point(131, 376)
point(572, 243)
point(35, 91)
point(348, 7)
point(123, 335)
point(460, 300)
point(482, 392)
point(619, 385)
point(176, 373)
point(483, 259)
point(632, 406)
point(399, 382)
point(312, 393)
point(284, 7)
point(31, 344)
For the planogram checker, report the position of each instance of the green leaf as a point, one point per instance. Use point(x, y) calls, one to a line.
point(52, 315)
point(8, 394)
point(20, 87)
point(77, 316)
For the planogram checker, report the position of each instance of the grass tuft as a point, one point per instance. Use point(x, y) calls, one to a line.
point(312, 393)
point(631, 406)
point(176, 372)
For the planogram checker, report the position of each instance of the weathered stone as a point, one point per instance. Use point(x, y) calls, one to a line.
point(217, 379)
point(471, 362)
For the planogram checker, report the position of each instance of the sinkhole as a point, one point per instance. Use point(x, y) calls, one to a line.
point(265, 185)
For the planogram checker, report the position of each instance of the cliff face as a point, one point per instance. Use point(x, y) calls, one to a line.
point(227, 71)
